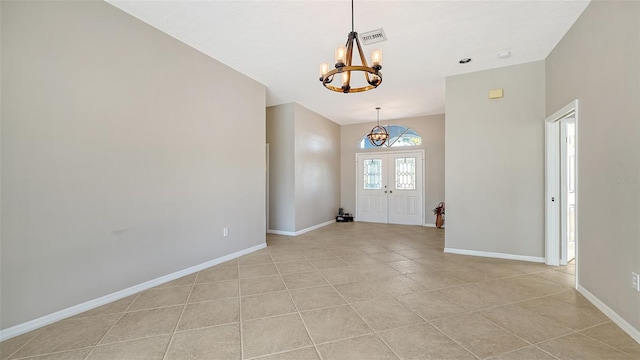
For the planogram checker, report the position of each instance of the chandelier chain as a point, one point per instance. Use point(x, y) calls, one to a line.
point(352, 22)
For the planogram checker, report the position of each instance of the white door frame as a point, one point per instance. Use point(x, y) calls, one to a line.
point(424, 188)
point(266, 227)
point(564, 193)
point(552, 183)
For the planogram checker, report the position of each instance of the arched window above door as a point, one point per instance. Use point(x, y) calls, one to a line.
point(398, 136)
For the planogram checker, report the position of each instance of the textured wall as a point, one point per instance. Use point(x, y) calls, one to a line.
point(317, 168)
point(304, 169)
point(495, 161)
point(281, 140)
point(597, 63)
point(121, 157)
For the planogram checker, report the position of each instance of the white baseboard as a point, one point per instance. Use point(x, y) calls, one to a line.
point(300, 232)
point(617, 319)
point(92, 304)
point(280, 232)
point(432, 225)
point(495, 255)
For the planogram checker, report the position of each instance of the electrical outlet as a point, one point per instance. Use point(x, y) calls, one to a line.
point(635, 281)
point(225, 231)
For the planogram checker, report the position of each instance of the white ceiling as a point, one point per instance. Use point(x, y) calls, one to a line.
point(281, 44)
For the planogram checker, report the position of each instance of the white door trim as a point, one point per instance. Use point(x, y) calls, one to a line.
point(424, 187)
point(564, 193)
point(552, 192)
point(552, 183)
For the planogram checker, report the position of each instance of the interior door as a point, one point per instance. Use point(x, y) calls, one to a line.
point(568, 184)
point(390, 188)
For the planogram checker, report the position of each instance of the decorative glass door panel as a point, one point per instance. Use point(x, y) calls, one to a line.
point(406, 173)
point(373, 174)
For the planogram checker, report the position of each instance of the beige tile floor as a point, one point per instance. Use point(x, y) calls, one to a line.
point(345, 291)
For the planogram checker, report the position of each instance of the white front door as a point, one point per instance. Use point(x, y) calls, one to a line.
point(372, 188)
point(390, 187)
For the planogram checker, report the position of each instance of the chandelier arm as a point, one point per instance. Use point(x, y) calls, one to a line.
point(352, 35)
point(328, 79)
point(363, 59)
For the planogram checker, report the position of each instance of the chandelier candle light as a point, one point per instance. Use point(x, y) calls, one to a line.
point(378, 135)
point(344, 67)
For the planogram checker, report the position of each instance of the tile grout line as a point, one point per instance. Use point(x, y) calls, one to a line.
point(240, 310)
point(535, 344)
point(513, 351)
point(429, 322)
point(546, 352)
point(32, 357)
point(358, 314)
point(25, 344)
point(473, 312)
point(113, 325)
point(477, 312)
point(175, 328)
point(601, 342)
point(296, 306)
point(278, 353)
point(469, 312)
point(578, 332)
point(460, 344)
point(38, 331)
point(501, 305)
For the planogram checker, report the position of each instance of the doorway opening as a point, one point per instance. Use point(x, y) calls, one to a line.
point(390, 187)
point(561, 186)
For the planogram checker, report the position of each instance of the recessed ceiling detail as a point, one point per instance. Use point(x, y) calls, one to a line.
point(504, 54)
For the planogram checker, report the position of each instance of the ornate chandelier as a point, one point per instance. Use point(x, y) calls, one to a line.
point(344, 67)
point(378, 135)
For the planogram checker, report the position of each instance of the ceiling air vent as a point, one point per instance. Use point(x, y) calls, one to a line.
point(372, 37)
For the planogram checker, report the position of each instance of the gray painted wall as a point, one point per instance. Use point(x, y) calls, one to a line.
point(118, 161)
point(280, 130)
point(317, 168)
point(304, 169)
point(597, 63)
point(495, 161)
point(431, 128)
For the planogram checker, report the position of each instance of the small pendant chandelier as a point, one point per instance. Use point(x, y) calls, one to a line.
point(344, 67)
point(378, 135)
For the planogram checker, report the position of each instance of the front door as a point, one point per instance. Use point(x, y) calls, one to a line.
point(390, 188)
